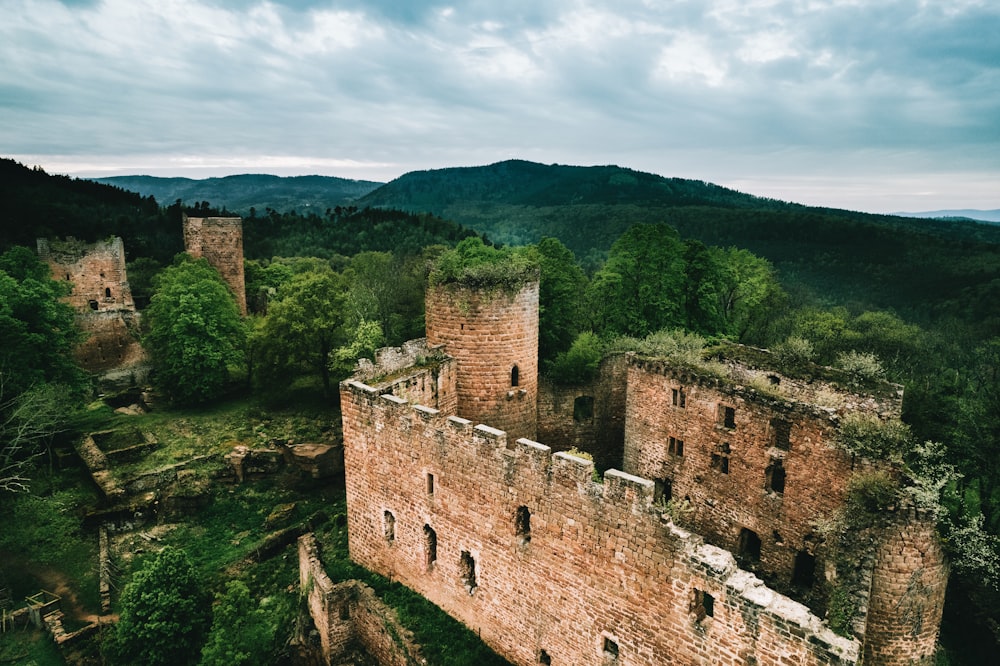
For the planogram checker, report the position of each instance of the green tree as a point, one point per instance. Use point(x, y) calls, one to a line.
point(37, 329)
point(749, 294)
point(195, 331)
point(40, 383)
point(388, 290)
point(561, 289)
point(163, 614)
point(580, 362)
point(640, 289)
point(241, 634)
point(302, 327)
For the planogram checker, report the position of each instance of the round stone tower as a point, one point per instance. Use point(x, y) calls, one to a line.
point(907, 592)
point(493, 336)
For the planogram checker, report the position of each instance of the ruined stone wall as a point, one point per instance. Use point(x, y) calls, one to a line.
point(220, 241)
point(96, 270)
point(546, 564)
point(907, 596)
point(421, 374)
point(590, 417)
point(348, 614)
point(727, 470)
point(101, 298)
point(112, 340)
point(493, 336)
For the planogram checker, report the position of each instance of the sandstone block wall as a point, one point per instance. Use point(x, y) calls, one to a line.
point(102, 299)
point(220, 241)
point(348, 614)
point(546, 564)
point(96, 270)
point(590, 417)
point(907, 596)
point(493, 337)
point(735, 441)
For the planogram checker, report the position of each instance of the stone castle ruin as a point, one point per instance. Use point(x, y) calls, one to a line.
point(703, 541)
point(220, 241)
point(101, 298)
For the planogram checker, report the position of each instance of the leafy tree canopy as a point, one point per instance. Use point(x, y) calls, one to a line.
point(242, 633)
point(163, 615)
point(195, 331)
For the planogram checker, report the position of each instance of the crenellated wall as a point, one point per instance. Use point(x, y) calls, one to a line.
point(220, 241)
point(493, 336)
point(524, 547)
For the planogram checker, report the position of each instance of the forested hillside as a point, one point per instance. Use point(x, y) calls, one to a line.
point(927, 269)
point(244, 192)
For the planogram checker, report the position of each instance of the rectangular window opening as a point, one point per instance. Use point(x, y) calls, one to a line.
point(720, 458)
point(727, 416)
point(749, 546)
point(583, 408)
point(522, 524)
point(467, 568)
point(678, 398)
point(610, 649)
point(804, 573)
point(389, 526)
point(430, 483)
point(675, 447)
point(774, 477)
point(430, 547)
point(663, 490)
point(781, 431)
point(702, 605)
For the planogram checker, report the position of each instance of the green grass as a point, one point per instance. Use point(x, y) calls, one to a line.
point(29, 648)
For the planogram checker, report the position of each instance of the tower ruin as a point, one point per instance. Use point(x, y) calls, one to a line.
point(220, 241)
point(101, 298)
point(493, 337)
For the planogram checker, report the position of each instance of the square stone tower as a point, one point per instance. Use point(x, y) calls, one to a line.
point(220, 241)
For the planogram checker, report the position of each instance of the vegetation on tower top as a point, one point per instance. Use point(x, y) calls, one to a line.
point(476, 265)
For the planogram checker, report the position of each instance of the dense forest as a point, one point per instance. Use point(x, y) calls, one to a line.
point(623, 257)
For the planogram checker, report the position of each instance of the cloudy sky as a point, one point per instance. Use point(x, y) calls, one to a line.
point(878, 105)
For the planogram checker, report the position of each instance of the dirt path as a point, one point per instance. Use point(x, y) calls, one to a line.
point(55, 581)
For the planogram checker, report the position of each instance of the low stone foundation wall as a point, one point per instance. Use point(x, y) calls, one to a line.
point(348, 615)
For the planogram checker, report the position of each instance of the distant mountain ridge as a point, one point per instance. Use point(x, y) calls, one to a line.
point(958, 214)
point(240, 193)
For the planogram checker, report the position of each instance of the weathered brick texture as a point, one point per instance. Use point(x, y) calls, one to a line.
point(492, 336)
point(348, 614)
point(550, 566)
point(220, 241)
point(101, 298)
point(598, 567)
point(907, 596)
point(723, 468)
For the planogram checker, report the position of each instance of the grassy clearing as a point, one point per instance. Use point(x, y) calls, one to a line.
point(221, 538)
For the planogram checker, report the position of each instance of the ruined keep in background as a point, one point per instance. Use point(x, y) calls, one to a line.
point(101, 298)
point(550, 564)
point(220, 241)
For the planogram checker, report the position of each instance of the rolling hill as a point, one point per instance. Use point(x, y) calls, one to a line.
point(239, 194)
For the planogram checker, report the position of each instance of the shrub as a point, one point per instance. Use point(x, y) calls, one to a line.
point(580, 362)
point(869, 436)
point(868, 495)
point(794, 354)
point(862, 368)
